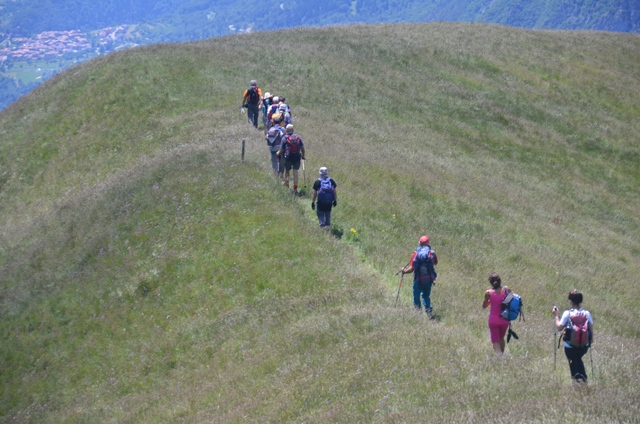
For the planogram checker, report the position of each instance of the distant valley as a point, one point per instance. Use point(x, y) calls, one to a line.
point(38, 40)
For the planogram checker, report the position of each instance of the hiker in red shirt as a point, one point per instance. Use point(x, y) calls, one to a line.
point(422, 264)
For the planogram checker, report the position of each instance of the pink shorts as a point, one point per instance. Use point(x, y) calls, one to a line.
point(498, 331)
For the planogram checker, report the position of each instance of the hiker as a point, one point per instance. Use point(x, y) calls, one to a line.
point(577, 323)
point(324, 190)
point(285, 109)
point(252, 99)
point(293, 151)
point(422, 264)
point(267, 101)
point(273, 108)
point(498, 326)
point(274, 141)
point(285, 112)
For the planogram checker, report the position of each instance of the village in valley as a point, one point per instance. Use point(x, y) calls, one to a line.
point(26, 62)
point(57, 44)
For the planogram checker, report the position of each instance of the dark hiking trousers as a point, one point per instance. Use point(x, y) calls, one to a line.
point(252, 114)
point(576, 366)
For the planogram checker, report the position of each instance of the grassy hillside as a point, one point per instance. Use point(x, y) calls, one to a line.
point(150, 275)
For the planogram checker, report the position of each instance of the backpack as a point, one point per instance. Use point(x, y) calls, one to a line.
point(274, 138)
point(326, 193)
point(277, 117)
point(423, 265)
point(253, 97)
point(293, 146)
point(285, 112)
point(512, 307)
point(266, 104)
point(273, 108)
point(577, 332)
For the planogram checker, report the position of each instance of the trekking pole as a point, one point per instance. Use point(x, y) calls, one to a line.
point(555, 335)
point(591, 357)
point(304, 174)
point(399, 287)
point(401, 278)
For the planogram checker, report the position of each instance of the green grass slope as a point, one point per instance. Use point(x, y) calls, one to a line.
point(147, 274)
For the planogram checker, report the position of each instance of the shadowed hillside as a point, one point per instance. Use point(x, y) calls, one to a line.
point(148, 274)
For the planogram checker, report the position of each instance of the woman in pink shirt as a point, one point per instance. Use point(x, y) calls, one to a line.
point(498, 326)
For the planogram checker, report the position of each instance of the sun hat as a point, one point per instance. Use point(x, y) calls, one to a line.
point(324, 172)
point(424, 239)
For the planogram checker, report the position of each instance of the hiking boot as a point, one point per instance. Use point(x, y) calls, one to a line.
point(429, 313)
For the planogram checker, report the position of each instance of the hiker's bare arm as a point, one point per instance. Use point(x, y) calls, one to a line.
point(487, 298)
point(557, 319)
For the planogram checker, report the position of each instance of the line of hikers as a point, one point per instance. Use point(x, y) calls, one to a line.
point(505, 306)
point(287, 148)
point(273, 107)
point(576, 324)
point(287, 152)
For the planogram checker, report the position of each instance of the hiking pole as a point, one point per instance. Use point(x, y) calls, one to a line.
point(401, 278)
point(399, 287)
point(555, 335)
point(304, 174)
point(591, 357)
point(403, 268)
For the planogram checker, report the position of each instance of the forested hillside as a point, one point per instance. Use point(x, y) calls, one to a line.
point(148, 22)
point(195, 19)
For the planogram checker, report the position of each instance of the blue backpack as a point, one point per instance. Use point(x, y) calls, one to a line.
point(326, 193)
point(512, 307)
point(423, 266)
point(274, 138)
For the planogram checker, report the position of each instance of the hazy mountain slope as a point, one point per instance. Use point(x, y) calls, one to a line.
point(149, 275)
point(145, 22)
point(196, 19)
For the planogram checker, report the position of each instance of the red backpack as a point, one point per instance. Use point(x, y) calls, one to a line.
point(293, 146)
point(577, 332)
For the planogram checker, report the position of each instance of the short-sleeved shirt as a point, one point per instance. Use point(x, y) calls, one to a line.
point(323, 207)
point(564, 320)
point(285, 147)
